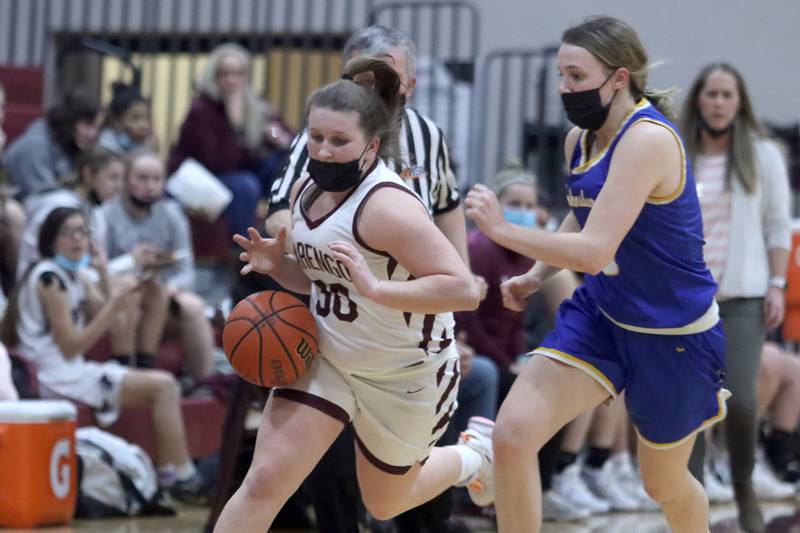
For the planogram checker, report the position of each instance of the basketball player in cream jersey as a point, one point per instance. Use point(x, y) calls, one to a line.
point(383, 283)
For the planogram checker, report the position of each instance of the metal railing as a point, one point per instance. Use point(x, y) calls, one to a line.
point(447, 37)
point(518, 117)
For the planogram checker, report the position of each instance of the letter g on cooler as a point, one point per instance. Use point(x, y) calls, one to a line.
point(60, 474)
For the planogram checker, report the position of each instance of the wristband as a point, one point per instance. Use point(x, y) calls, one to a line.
point(777, 281)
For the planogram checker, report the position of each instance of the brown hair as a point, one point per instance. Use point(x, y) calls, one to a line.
point(379, 108)
point(746, 128)
point(615, 44)
point(48, 233)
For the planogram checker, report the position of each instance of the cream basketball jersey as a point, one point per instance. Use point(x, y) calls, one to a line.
point(355, 332)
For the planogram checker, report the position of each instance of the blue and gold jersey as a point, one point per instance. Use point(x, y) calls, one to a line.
point(658, 281)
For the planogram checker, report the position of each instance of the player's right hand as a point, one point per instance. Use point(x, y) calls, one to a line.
point(262, 255)
point(515, 291)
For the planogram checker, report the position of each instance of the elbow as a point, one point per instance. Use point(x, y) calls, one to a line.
point(595, 262)
point(68, 350)
point(470, 295)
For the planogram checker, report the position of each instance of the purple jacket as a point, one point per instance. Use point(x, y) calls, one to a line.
point(207, 136)
point(492, 329)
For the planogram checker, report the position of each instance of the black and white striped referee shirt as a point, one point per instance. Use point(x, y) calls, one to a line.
point(426, 165)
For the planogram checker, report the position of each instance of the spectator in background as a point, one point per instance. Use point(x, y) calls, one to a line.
point(12, 223)
point(150, 234)
point(492, 329)
point(779, 406)
point(227, 130)
point(99, 178)
point(139, 324)
point(7, 389)
point(56, 314)
point(128, 121)
point(45, 154)
point(498, 332)
point(743, 187)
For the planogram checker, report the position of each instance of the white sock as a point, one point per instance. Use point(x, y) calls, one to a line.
point(185, 471)
point(166, 475)
point(471, 462)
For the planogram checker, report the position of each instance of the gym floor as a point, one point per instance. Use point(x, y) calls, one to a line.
point(783, 517)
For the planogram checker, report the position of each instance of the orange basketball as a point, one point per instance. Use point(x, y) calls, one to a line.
point(270, 338)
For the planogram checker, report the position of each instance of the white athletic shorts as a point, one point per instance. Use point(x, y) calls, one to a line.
point(397, 416)
point(99, 386)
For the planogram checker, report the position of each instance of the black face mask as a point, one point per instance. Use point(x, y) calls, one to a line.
point(331, 176)
point(715, 133)
point(585, 109)
point(141, 204)
point(94, 199)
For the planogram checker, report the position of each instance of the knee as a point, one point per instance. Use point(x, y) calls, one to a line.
point(191, 305)
point(514, 441)
point(658, 489)
point(166, 386)
point(380, 506)
point(261, 482)
point(486, 370)
point(245, 187)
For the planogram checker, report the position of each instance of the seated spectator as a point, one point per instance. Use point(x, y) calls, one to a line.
point(150, 234)
point(492, 329)
point(99, 178)
point(12, 223)
point(7, 389)
point(45, 154)
point(56, 314)
point(128, 121)
point(779, 408)
point(227, 130)
point(12, 227)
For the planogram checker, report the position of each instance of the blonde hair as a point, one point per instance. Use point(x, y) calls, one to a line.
point(254, 108)
point(511, 174)
point(615, 44)
point(745, 127)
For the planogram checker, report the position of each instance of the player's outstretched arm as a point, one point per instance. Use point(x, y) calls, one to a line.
point(268, 256)
point(647, 161)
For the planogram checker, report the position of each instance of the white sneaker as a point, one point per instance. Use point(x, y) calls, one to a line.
point(478, 436)
point(767, 486)
point(628, 476)
point(717, 491)
point(605, 485)
point(570, 486)
point(557, 509)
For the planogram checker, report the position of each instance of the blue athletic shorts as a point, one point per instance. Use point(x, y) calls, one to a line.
point(672, 383)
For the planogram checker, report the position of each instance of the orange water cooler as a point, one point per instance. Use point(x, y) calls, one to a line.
point(791, 323)
point(38, 468)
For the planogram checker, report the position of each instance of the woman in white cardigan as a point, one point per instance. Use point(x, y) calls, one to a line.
point(743, 188)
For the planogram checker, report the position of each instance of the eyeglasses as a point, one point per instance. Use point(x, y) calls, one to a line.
point(74, 232)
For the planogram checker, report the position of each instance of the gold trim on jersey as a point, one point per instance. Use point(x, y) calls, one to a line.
point(580, 364)
point(722, 397)
point(707, 321)
point(586, 165)
point(661, 200)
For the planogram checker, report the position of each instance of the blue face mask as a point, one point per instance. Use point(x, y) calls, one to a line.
point(520, 217)
point(72, 265)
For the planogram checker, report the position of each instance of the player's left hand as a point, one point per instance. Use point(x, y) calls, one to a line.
point(774, 307)
point(360, 274)
point(484, 209)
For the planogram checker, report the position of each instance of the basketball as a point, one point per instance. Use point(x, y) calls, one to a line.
point(270, 338)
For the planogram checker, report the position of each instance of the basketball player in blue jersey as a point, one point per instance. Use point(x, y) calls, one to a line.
point(645, 320)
